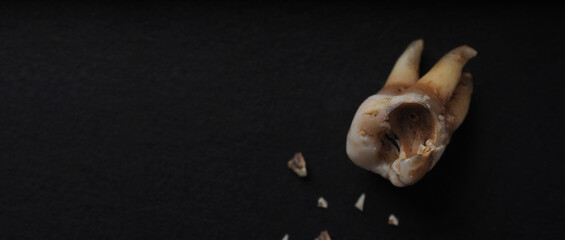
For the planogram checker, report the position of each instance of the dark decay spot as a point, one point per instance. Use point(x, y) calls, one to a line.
point(393, 139)
point(413, 117)
point(413, 124)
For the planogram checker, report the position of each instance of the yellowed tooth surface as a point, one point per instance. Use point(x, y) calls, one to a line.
point(400, 133)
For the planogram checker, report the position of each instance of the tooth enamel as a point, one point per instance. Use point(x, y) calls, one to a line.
point(401, 132)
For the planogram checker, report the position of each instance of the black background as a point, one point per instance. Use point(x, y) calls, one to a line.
point(175, 121)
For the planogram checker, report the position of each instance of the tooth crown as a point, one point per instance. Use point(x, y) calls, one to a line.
point(374, 132)
point(402, 131)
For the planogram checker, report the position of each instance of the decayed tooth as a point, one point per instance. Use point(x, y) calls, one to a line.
point(402, 131)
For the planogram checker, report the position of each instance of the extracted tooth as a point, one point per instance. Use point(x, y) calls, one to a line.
point(401, 132)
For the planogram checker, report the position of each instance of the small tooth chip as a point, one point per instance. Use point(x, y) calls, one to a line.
point(285, 237)
point(324, 235)
point(298, 165)
point(392, 220)
point(360, 202)
point(322, 203)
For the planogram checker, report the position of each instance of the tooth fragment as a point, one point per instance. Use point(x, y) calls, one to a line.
point(285, 237)
point(392, 220)
point(298, 165)
point(322, 203)
point(401, 132)
point(324, 235)
point(360, 202)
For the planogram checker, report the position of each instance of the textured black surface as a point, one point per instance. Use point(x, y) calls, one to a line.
point(176, 122)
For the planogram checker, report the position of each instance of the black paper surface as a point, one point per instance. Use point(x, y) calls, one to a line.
point(175, 121)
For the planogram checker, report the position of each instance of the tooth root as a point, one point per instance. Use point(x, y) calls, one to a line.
point(458, 105)
point(405, 71)
point(444, 75)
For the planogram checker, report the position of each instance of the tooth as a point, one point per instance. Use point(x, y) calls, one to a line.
point(401, 132)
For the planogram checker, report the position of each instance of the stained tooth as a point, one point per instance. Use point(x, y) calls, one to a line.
point(405, 71)
point(401, 135)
